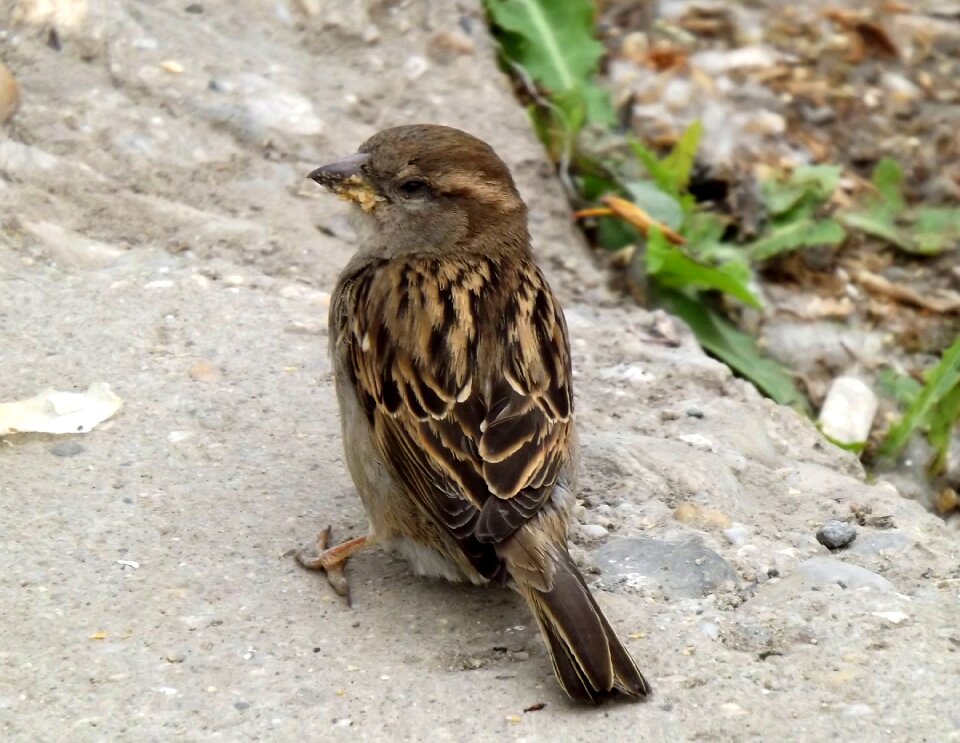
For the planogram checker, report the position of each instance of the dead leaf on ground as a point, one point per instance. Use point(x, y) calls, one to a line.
point(662, 58)
point(52, 411)
point(942, 301)
point(867, 37)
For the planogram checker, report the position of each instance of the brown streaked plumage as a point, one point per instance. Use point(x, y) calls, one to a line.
point(452, 370)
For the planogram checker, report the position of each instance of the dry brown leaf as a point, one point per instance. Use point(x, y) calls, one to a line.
point(819, 151)
point(937, 301)
point(867, 37)
point(662, 58)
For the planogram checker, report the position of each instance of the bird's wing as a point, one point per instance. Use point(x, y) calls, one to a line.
point(463, 369)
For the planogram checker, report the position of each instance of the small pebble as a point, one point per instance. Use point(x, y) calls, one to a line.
point(836, 534)
point(698, 442)
point(415, 67)
point(848, 411)
point(172, 66)
point(894, 617)
point(66, 449)
point(710, 630)
point(736, 535)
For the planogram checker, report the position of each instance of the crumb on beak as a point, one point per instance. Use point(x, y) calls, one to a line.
point(345, 178)
point(356, 189)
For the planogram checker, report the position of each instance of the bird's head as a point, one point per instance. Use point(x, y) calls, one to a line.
point(428, 188)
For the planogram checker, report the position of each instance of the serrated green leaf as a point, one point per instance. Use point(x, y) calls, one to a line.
point(673, 269)
point(735, 348)
point(941, 381)
point(653, 166)
point(807, 185)
point(672, 173)
point(802, 233)
point(679, 163)
point(554, 43)
point(927, 231)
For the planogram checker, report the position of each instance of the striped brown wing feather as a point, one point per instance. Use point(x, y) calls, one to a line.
point(472, 417)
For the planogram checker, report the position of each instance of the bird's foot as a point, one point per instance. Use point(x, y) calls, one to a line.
point(331, 560)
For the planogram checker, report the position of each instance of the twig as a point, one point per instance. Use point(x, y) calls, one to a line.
point(630, 212)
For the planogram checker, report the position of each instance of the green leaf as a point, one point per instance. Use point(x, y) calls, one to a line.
point(598, 106)
point(807, 232)
point(554, 43)
point(735, 348)
point(679, 163)
point(807, 185)
point(946, 415)
point(888, 179)
point(613, 233)
point(656, 202)
point(927, 231)
point(654, 167)
point(879, 223)
point(941, 382)
point(704, 232)
point(901, 388)
point(672, 173)
point(673, 269)
point(936, 229)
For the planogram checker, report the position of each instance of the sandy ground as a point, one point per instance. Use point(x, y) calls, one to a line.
point(156, 233)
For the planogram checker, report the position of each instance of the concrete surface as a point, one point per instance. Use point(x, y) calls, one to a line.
point(156, 233)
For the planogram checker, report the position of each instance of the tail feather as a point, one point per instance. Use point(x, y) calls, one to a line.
point(588, 658)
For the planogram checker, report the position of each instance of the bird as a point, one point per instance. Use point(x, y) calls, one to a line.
point(452, 369)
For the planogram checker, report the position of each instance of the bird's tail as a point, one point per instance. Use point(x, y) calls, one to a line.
point(590, 661)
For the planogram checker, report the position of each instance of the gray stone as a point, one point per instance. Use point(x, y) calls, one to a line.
point(873, 544)
point(822, 571)
point(66, 449)
point(819, 573)
point(836, 534)
point(684, 569)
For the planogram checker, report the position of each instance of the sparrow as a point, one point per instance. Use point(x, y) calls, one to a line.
point(452, 370)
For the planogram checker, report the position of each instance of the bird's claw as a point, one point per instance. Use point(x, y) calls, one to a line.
point(328, 560)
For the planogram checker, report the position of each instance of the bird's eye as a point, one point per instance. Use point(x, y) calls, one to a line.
point(413, 188)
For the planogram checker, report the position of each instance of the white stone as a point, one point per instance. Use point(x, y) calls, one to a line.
point(848, 411)
point(593, 531)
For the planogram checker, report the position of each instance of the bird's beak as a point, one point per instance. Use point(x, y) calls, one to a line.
point(346, 179)
point(336, 172)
